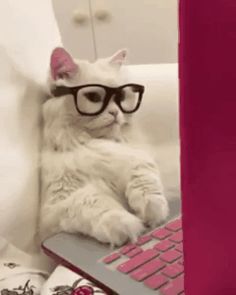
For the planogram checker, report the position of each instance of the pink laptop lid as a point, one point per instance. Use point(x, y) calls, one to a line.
point(208, 144)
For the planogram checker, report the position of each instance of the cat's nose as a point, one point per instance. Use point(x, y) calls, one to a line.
point(113, 113)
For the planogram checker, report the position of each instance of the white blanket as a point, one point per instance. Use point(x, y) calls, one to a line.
point(16, 278)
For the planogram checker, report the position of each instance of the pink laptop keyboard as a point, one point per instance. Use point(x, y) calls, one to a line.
point(155, 260)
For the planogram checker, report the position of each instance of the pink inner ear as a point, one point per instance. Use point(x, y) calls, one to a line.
point(62, 64)
point(119, 57)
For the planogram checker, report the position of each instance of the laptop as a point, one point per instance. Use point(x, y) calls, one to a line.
point(208, 172)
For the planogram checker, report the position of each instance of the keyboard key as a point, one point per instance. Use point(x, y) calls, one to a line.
point(147, 270)
point(143, 240)
point(174, 225)
point(127, 248)
point(170, 256)
point(134, 252)
point(164, 245)
point(161, 234)
point(179, 248)
point(177, 238)
point(174, 287)
point(156, 281)
point(174, 270)
point(111, 258)
point(137, 261)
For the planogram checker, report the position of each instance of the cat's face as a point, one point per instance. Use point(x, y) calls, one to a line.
point(68, 72)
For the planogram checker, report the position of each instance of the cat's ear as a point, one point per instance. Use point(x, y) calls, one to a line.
point(118, 58)
point(62, 64)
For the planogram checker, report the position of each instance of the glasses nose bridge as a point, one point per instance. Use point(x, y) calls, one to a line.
point(110, 93)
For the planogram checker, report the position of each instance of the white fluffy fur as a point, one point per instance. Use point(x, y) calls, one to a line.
point(93, 181)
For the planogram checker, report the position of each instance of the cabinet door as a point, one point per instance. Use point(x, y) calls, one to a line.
point(74, 21)
point(148, 28)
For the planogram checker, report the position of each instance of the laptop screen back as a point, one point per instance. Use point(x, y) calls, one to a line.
point(208, 144)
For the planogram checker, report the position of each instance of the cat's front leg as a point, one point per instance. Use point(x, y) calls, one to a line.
point(145, 194)
point(93, 212)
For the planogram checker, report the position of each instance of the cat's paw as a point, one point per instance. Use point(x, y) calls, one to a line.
point(153, 210)
point(117, 227)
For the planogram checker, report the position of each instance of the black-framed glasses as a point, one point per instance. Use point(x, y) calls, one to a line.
point(92, 99)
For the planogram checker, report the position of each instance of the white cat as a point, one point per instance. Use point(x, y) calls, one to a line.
point(93, 181)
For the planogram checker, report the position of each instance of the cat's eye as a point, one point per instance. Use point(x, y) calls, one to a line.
point(93, 96)
point(129, 99)
point(136, 88)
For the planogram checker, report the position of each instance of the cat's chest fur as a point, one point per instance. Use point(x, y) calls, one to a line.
point(96, 159)
point(103, 159)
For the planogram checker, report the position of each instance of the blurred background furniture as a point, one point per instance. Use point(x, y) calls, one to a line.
point(97, 28)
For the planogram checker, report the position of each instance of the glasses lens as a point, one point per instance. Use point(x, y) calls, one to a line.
point(90, 99)
point(129, 98)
